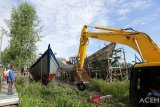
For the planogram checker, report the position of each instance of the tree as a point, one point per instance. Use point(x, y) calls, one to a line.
point(6, 56)
point(24, 31)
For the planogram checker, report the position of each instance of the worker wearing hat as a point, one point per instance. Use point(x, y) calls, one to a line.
point(10, 79)
point(6, 74)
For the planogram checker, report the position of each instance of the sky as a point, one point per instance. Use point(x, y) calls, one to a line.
point(62, 21)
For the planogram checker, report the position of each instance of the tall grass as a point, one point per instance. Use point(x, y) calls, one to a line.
point(37, 95)
point(119, 91)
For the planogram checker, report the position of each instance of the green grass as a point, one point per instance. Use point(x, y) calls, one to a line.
point(1, 80)
point(119, 91)
point(37, 95)
point(53, 95)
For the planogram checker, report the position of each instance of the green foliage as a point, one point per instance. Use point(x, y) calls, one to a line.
point(24, 32)
point(119, 91)
point(21, 81)
point(6, 58)
point(54, 95)
point(129, 65)
point(1, 80)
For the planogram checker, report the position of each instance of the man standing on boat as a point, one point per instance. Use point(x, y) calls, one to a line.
point(10, 79)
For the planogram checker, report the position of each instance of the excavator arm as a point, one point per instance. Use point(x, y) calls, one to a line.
point(139, 41)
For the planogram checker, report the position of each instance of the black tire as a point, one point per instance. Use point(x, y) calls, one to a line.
point(81, 86)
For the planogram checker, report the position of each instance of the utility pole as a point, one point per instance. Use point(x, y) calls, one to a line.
point(1, 30)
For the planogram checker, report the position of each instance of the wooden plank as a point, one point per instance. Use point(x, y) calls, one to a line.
point(6, 99)
point(10, 101)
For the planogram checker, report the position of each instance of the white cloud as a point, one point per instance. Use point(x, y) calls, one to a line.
point(123, 11)
point(5, 9)
point(63, 20)
point(143, 20)
point(142, 4)
point(127, 7)
point(156, 28)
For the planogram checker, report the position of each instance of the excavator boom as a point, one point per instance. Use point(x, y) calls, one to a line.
point(139, 41)
point(144, 77)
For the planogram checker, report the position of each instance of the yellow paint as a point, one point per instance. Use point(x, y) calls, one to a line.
point(149, 50)
point(151, 64)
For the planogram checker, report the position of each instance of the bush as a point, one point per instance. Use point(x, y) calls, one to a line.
point(119, 91)
point(38, 95)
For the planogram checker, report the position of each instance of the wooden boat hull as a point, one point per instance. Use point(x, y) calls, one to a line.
point(45, 67)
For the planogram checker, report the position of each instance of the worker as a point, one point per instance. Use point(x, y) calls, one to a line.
point(10, 79)
point(6, 74)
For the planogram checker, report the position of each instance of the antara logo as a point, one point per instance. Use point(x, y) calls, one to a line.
point(96, 100)
point(149, 100)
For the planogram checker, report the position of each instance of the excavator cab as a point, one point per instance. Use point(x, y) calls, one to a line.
point(145, 85)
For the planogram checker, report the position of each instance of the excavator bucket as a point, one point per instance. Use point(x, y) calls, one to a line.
point(82, 76)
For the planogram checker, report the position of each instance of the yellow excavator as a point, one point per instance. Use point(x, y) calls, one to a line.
point(144, 77)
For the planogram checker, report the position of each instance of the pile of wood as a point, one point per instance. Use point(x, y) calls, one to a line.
point(97, 64)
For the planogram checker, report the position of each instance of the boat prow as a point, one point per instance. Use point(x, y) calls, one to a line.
point(45, 67)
